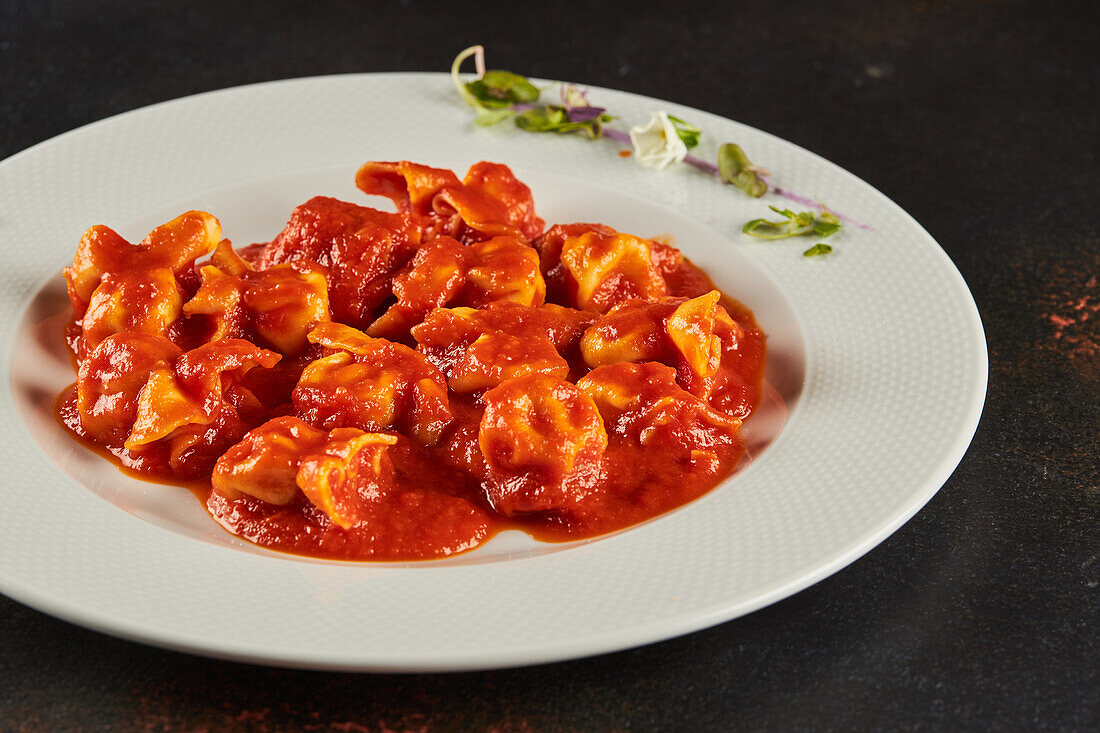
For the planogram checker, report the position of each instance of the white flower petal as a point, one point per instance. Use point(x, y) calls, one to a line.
point(656, 143)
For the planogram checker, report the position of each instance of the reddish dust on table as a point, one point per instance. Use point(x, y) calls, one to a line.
point(393, 386)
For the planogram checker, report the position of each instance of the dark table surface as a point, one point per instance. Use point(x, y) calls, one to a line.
point(979, 118)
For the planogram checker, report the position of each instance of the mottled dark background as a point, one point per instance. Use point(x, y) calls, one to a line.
point(979, 118)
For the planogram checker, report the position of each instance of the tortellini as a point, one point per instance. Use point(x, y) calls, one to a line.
point(278, 306)
point(642, 403)
point(132, 302)
point(174, 246)
point(118, 287)
point(542, 438)
point(444, 272)
point(338, 471)
point(398, 385)
point(143, 392)
point(690, 335)
point(489, 202)
point(479, 349)
point(361, 249)
point(110, 379)
point(372, 384)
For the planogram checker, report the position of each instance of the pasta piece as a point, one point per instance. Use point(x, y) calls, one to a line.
point(111, 377)
point(643, 404)
point(352, 469)
point(693, 336)
point(411, 186)
point(339, 472)
point(140, 302)
point(487, 183)
point(445, 334)
point(593, 267)
point(214, 373)
point(362, 250)
point(372, 384)
point(691, 329)
point(163, 407)
point(489, 202)
point(542, 439)
point(609, 270)
point(503, 269)
point(497, 357)
point(174, 246)
point(264, 464)
point(444, 272)
point(633, 331)
point(681, 278)
point(560, 285)
point(198, 406)
point(276, 307)
point(479, 349)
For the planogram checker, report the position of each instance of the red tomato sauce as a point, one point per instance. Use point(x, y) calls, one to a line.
point(374, 386)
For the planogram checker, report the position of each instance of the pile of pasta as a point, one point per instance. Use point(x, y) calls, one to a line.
point(402, 385)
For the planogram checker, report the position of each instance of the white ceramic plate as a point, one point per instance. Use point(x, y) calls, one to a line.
point(877, 350)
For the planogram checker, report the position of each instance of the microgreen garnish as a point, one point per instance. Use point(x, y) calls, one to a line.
point(736, 168)
point(550, 118)
point(686, 131)
point(823, 224)
point(497, 95)
point(502, 89)
point(489, 110)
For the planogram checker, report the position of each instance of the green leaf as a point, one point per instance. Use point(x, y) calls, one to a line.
point(823, 224)
point(803, 219)
point(686, 131)
point(534, 120)
point(502, 89)
point(487, 117)
point(509, 85)
point(826, 229)
point(818, 249)
point(485, 96)
point(551, 118)
point(762, 229)
point(499, 90)
point(736, 168)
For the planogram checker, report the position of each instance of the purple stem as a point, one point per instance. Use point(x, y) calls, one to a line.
point(711, 168)
point(701, 164)
point(584, 114)
point(617, 135)
point(792, 196)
